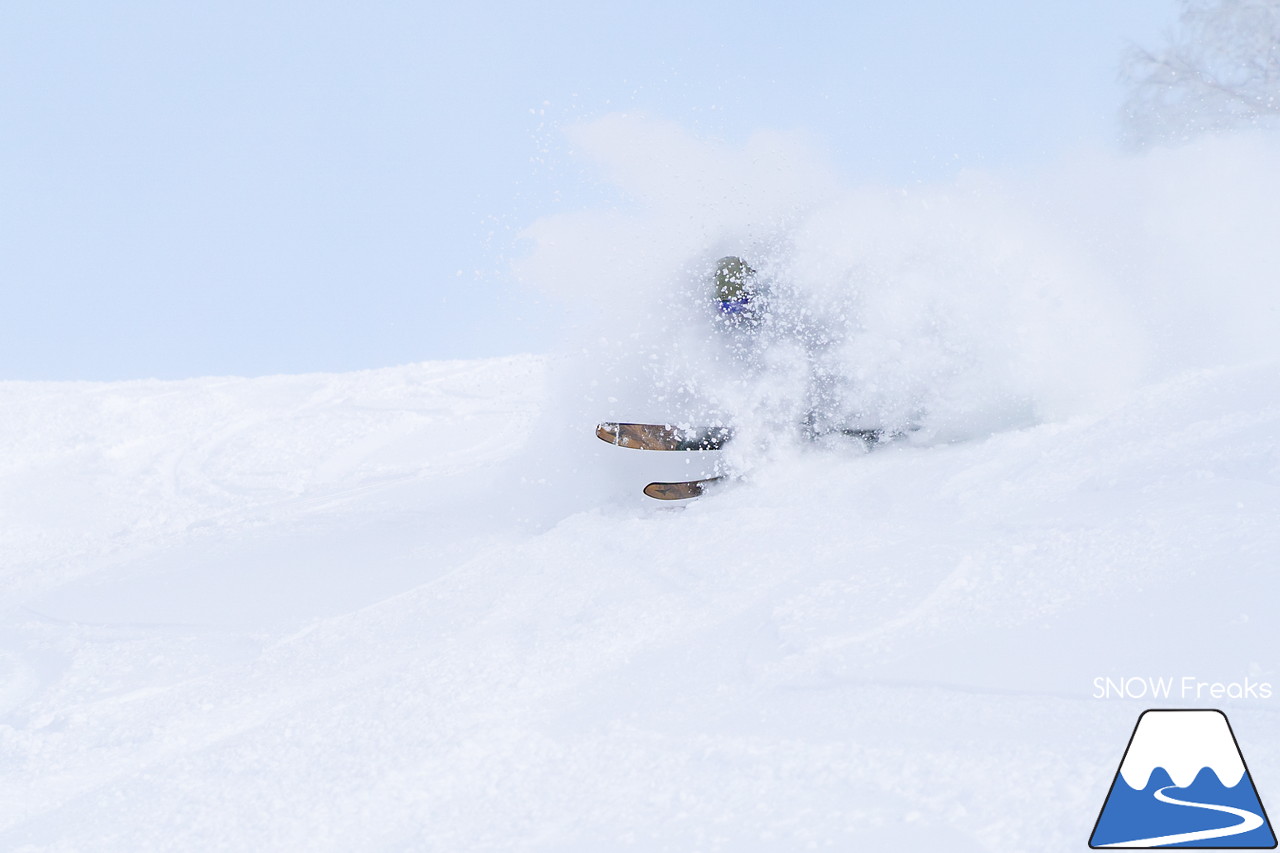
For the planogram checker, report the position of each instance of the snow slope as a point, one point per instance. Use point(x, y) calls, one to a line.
point(424, 608)
point(350, 612)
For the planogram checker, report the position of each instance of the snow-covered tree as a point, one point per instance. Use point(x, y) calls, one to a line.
point(1220, 71)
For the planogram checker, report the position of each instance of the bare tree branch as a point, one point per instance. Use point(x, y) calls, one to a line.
point(1220, 71)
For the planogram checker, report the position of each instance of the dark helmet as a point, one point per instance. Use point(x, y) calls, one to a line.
point(734, 280)
point(737, 293)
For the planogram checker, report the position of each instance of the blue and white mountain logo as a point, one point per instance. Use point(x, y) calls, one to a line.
point(1183, 783)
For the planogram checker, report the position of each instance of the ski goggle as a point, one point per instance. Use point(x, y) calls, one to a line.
point(735, 306)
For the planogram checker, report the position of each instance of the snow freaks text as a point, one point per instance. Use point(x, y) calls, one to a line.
point(1171, 687)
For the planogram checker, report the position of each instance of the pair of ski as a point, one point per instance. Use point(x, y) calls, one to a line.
point(668, 437)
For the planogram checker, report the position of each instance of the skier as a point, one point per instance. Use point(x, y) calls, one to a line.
point(768, 336)
point(756, 332)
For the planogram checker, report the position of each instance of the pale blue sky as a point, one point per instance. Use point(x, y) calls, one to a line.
point(263, 187)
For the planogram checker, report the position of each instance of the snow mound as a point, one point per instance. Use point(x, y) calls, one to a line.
point(400, 637)
point(425, 608)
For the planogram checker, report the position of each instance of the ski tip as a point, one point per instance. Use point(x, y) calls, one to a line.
point(679, 491)
point(609, 432)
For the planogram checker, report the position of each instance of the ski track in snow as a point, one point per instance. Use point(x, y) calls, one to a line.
point(345, 612)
